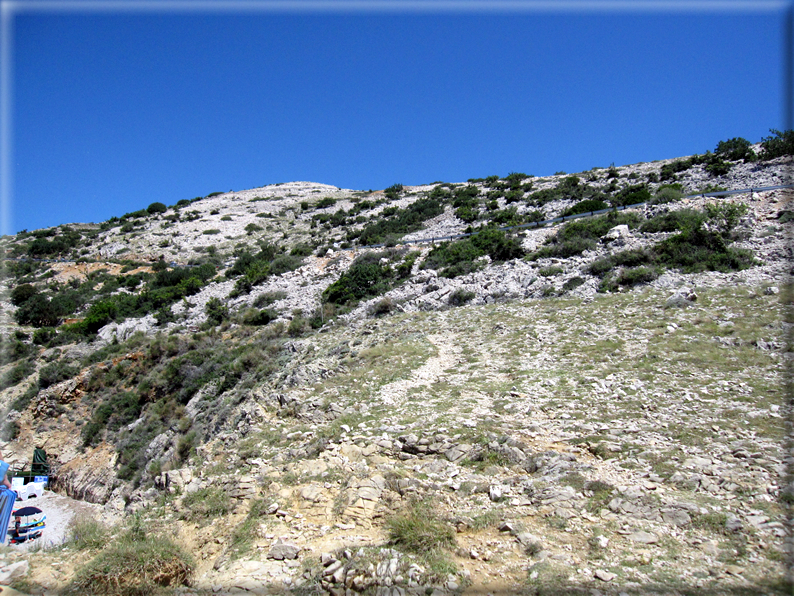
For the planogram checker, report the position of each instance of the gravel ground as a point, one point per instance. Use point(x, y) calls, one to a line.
point(60, 511)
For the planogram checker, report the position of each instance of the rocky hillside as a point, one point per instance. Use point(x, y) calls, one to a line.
point(590, 407)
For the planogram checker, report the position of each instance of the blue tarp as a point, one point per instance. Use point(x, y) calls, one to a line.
point(7, 500)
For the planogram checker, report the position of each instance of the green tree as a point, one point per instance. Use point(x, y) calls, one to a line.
point(735, 149)
point(37, 311)
point(217, 312)
point(782, 143)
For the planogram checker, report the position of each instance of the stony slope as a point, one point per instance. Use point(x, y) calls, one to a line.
point(575, 441)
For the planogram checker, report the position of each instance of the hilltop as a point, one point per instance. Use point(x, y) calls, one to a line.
point(302, 400)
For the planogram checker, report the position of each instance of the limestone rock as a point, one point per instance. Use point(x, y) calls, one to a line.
point(283, 550)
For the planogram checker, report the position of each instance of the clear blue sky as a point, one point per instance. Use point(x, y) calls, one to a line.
point(115, 110)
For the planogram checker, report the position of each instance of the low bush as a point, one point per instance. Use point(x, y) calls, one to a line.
point(297, 326)
point(459, 257)
point(393, 192)
point(382, 307)
point(697, 250)
point(460, 297)
point(572, 284)
point(138, 565)
point(575, 237)
point(38, 311)
point(735, 149)
point(667, 193)
point(21, 293)
point(44, 335)
point(585, 206)
point(217, 312)
point(778, 145)
point(628, 277)
point(396, 222)
point(673, 221)
point(631, 195)
point(725, 216)
point(11, 351)
point(269, 298)
point(18, 373)
point(550, 271)
point(205, 504)
point(156, 208)
point(87, 533)
point(419, 530)
point(56, 372)
point(366, 277)
point(254, 316)
point(668, 171)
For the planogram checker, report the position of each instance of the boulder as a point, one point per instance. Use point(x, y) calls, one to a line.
point(682, 298)
point(283, 550)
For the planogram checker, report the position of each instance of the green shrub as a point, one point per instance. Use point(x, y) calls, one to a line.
point(467, 213)
point(366, 277)
point(725, 216)
point(211, 232)
point(383, 307)
point(458, 257)
point(21, 293)
point(782, 143)
point(393, 192)
point(284, 263)
point(631, 195)
point(301, 250)
point(696, 250)
point(325, 202)
point(673, 221)
point(252, 227)
point(575, 237)
point(134, 566)
point(56, 372)
point(735, 149)
point(419, 530)
point(396, 222)
point(217, 312)
point(667, 193)
point(87, 533)
point(18, 373)
point(669, 170)
point(205, 504)
point(38, 311)
point(44, 335)
point(628, 277)
point(296, 326)
point(585, 206)
point(506, 217)
point(460, 297)
point(572, 284)
point(269, 298)
point(254, 316)
point(156, 208)
point(186, 445)
point(550, 271)
point(718, 167)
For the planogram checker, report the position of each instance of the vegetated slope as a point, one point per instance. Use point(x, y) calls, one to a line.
point(280, 389)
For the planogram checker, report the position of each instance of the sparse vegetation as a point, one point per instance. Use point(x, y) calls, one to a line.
point(134, 565)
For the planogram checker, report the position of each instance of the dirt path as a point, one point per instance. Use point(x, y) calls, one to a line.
point(427, 374)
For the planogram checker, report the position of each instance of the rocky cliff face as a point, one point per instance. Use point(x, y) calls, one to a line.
point(555, 432)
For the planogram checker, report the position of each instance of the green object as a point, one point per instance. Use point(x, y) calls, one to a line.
point(40, 465)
